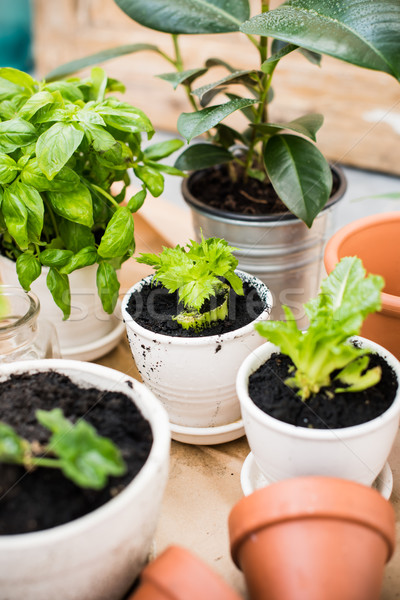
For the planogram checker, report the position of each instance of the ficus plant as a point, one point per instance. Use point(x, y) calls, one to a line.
point(197, 273)
point(63, 144)
point(82, 455)
point(362, 32)
point(323, 355)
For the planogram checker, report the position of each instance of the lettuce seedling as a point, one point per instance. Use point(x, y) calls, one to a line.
point(347, 296)
point(196, 273)
point(82, 455)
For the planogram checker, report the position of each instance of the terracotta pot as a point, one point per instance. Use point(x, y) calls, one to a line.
point(178, 575)
point(311, 538)
point(375, 240)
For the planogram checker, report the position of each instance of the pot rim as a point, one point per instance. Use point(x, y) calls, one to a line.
point(151, 409)
point(390, 302)
point(281, 218)
point(259, 357)
point(193, 341)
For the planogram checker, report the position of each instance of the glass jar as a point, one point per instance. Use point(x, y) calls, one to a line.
point(22, 336)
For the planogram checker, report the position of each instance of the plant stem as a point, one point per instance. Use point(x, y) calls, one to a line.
point(180, 67)
point(52, 217)
point(104, 193)
point(53, 463)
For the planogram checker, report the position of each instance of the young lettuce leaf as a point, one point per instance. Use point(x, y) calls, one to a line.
point(347, 296)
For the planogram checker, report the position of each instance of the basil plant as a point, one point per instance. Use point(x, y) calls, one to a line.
point(62, 147)
point(362, 32)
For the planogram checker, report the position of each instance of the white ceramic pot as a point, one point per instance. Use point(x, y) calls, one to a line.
point(88, 321)
point(194, 377)
point(95, 557)
point(282, 450)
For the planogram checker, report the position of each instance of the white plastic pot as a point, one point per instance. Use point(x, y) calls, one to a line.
point(95, 557)
point(282, 450)
point(88, 321)
point(194, 377)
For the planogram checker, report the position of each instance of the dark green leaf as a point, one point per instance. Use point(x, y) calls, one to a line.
point(227, 136)
point(55, 258)
point(58, 285)
point(34, 205)
point(136, 201)
point(191, 125)
point(8, 169)
point(248, 111)
point(364, 33)
point(75, 236)
point(162, 149)
point(107, 286)
point(16, 133)
point(56, 146)
point(188, 16)
point(84, 258)
point(12, 447)
point(307, 125)
point(237, 77)
point(94, 59)
point(152, 179)
point(269, 65)
point(184, 77)
point(201, 156)
point(299, 174)
point(75, 205)
point(312, 57)
point(217, 62)
point(118, 239)
point(28, 269)
point(15, 216)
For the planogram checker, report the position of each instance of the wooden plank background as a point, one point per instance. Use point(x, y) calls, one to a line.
point(361, 108)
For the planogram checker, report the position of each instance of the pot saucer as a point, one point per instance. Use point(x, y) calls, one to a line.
point(251, 478)
point(98, 347)
point(203, 436)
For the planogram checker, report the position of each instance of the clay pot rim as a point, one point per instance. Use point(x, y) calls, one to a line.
point(305, 498)
point(390, 302)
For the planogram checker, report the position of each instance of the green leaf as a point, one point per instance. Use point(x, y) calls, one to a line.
point(137, 201)
point(34, 103)
point(15, 216)
point(94, 59)
point(55, 258)
point(75, 236)
point(84, 258)
point(56, 146)
point(164, 168)
point(191, 125)
point(201, 156)
point(12, 447)
point(107, 286)
point(28, 269)
point(101, 139)
point(124, 117)
point(16, 133)
point(354, 379)
point(58, 285)
point(118, 238)
point(268, 66)
point(18, 78)
point(66, 180)
point(365, 33)
point(98, 79)
point(162, 149)
point(188, 16)
point(35, 209)
point(68, 90)
point(237, 77)
point(9, 90)
point(299, 174)
point(307, 125)
point(75, 205)
point(182, 77)
point(8, 169)
point(152, 179)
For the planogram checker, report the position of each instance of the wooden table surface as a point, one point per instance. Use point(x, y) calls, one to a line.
point(204, 481)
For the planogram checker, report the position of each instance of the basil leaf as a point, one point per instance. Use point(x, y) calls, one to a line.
point(100, 138)
point(28, 269)
point(56, 146)
point(107, 286)
point(75, 205)
point(75, 236)
point(16, 217)
point(12, 447)
point(162, 149)
point(85, 257)
point(8, 169)
point(55, 258)
point(152, 179)
point(34, 103)
point(18, 78)
point(68, 90)
point(16, 133)
point(58, 285)
point(35, 208)
point(65, 181)
point(118, 238)
point(136, 201)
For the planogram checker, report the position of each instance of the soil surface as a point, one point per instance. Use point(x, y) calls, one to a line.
point(153, 308)
point(215, 188)
point(44, 498)
point(324, 410)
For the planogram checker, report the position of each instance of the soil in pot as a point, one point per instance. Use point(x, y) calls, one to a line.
point(44, 498)
point(324, 410)
point(154, 308)
point(215, 188)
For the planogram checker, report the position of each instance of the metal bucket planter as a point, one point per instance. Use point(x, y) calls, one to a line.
point(278, 249)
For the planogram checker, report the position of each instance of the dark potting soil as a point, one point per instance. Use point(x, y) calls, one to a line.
point(44, 498)
point(153, 308)
point(324, 410)
point(216, 189)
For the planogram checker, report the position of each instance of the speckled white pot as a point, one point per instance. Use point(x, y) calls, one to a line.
point(282, 450)
point(97, 556)
point(194, 377)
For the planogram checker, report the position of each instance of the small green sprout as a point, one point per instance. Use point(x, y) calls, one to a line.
point(82, 455)
point(196, 273)
point(347, 296)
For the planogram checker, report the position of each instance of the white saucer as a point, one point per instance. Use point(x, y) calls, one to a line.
point(252, 479)
point(207, 435)
point(99, 347)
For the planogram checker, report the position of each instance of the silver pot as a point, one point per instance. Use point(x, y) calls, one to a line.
point(279, 249)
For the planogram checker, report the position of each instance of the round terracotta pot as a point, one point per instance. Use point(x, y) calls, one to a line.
point(178, 575)
point(375, 240)
point(313, 537)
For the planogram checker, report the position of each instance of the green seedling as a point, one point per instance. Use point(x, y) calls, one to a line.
point(347, 296)
point(82, 455)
